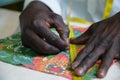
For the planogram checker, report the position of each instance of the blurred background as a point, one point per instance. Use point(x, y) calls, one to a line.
point(9, 16)
point(12, 4)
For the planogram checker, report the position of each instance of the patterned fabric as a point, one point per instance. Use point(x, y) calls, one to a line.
point(12, 51)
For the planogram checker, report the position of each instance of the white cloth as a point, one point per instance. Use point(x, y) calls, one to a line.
point(91, 10)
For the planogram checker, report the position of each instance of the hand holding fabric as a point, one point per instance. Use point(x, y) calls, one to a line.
point(102, 41)
point(36, 21)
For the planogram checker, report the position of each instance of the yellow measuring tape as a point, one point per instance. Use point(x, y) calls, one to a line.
point(73, 51)
point(73, 48)
point(108, 8)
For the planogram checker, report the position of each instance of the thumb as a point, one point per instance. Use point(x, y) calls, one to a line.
point(81, 39)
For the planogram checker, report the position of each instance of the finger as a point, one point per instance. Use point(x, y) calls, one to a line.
point(108, 58)
point(106, 62)
point(81, 55)
point(81, 39)
point(43, 31)
point(90, 60)
point(60, 26)
point(84, 37)
point(37, 44)
point(89, 47)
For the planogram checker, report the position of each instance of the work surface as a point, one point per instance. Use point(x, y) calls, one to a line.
point(8, 25)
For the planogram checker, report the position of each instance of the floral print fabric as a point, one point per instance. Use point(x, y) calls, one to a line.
point(12, 51)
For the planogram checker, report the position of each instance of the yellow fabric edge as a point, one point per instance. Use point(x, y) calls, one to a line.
point(73, 51)
point(108, 8)
point(73, 48)
point(78, 20)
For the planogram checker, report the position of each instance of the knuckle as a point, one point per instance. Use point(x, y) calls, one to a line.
point(53, 38)
point(36, 22)
point(46, 48)
point(85, 51)
point(90, 56)
point(105, 43)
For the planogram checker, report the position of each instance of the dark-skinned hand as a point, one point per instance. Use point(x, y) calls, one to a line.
point(36, 21)
point(102, 41)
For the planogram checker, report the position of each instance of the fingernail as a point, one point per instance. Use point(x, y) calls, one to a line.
point(79, 71)
point(101, 73)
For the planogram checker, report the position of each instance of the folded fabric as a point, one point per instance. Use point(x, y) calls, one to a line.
point(12, 51)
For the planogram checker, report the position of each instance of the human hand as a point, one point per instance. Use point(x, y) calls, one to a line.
point(36, 21)
point(102, 43)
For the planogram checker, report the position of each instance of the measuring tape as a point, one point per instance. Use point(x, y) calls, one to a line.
point(108, 8)
point(73, 48)
point(73, 51)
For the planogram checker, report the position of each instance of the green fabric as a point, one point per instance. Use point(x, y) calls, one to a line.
point(13, 52)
